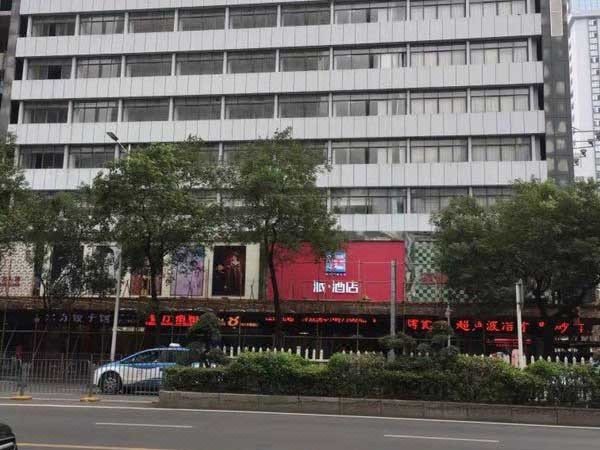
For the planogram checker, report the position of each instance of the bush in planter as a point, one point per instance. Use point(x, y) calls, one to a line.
point(564, 385)
point(355, 375)
point(195, 380)
point(401, 342)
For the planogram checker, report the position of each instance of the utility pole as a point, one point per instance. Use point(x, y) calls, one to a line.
point(519, 299)
point(392, 353)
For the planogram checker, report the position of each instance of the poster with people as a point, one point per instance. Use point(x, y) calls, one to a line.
point(187, 278)
point(229, 270)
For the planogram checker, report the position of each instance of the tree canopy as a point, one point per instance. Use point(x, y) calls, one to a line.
point(280, 206)
point(546, 235)
point(152, 203)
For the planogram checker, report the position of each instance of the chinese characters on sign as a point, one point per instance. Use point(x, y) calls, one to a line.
point(335, 287)
point(496, 326)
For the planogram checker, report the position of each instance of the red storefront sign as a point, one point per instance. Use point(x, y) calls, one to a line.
point(360, 271)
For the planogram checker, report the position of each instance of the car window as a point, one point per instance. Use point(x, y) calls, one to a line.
point(146, 357)
point(174, 356)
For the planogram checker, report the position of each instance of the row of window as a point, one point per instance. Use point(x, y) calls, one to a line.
point(288, 106)
point(506, 148)
point(289, 60)
point(236, 17)
point(422, 200)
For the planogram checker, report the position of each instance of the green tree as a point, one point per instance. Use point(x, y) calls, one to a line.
point(151, 204)
point(546, 235)
point(281, 206)
point(14, 198)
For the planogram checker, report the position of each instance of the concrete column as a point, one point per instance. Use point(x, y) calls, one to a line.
point(29, 23)
point(126, 23)
point(469, 100)
point(120, 110)
point(530, 7)
point(407, 55)
point(77, 24)
point(279, 21)
point(66, 157)
point(331, 58)
point(226, 25)
point(534, 152)
point(21, 112)
point(73, 68)
point(277, 60)
point(469, 149)
point(532, 100)
point(224, 62)
point(173, 64)
point(17, 155)
point(332, 13)
point(70, 112)
point(467, 7)
point(408, 156)
point(223, 108)
point(530, 56)
point(176, 21)
point(468, 52)
point(408, 201)
point(117, 152)
point(171, 109)
point(25, 69)
point(330, 151)
point(408, 106)
point(123, 65)
point(276, 106)
point(220, 151)
point(407, 9)
point(330, 106)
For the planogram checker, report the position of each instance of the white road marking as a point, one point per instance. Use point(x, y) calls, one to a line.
point(146, 425)
point(437, 438)
point(79, 447)
point(267, 413)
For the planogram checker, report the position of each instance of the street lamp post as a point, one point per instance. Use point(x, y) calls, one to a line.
point(519, 301)
point(118, 262)
point(392, 353)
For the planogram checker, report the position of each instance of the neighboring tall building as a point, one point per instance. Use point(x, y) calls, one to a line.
point(584, 59)
point(9, 31)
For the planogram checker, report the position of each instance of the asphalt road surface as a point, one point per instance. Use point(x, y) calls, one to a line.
point(122, 424)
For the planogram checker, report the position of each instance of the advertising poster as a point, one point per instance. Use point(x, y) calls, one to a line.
point(359, 272)
point(188, 272)
point(229, 271)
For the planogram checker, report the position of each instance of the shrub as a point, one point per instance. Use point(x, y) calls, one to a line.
point(195, 380)
point(564, 385)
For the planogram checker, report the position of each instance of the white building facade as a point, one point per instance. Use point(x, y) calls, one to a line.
point(415, 102)
point(584, 58)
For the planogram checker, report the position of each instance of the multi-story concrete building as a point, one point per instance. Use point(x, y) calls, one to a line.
point(415, 101)
point(584, 59)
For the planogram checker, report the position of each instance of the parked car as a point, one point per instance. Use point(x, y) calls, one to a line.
point(7, 438)
point(140, 371)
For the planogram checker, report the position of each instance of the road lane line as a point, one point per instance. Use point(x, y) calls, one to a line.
point(145, 425)
point(273, 413)
point(441, 438)
point(81, 447)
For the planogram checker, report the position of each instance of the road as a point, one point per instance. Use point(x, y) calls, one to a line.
point(123, 424)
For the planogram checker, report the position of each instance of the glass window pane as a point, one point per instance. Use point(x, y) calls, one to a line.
point(202, 19)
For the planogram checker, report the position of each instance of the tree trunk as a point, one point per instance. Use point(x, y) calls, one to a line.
point(278, 334)
point(155, 304)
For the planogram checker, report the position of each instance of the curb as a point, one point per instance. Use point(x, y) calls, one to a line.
point(476, 412)
point(22, 398)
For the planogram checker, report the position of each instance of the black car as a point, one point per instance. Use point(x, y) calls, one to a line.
point(7, 438)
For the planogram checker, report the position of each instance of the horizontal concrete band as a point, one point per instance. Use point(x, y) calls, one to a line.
point(383, 408)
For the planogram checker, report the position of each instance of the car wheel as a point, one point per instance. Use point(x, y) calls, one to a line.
point(110, 383)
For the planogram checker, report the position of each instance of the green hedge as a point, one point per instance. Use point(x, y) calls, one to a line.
point(460, 378)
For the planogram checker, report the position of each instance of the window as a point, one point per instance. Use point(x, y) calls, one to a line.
point(369, 104)
point(442, 102)
point(303, 60)
point(368, 201)
point(49, 69)
point(303, 106)
point(95, 111)
point(198, 108)
point(145, 110)
point(501, 149)
point(45, 112)
point(90, 156)
point(369, 58)
point(495, 100)
point(498, 52)
point(209, 153)
point(53, 26)
point(102, 24)
point(249, 107)
point(150, 22)
point(250, 62)
point(438, 55)
point(148, 65)
point(369, 152)
point(305, 14)
point(486, 8)
point(42, 157)
point(253, 17)
point(488, 196)
point(232, 151)
point(199, 63)
point(436, 9)
point(99, 67)
point(202, 19)
point(438, 150)
point(363, 12)
point(432, 200)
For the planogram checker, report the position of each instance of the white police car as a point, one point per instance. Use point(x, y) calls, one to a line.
point(140, 371)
